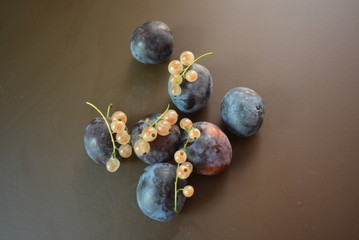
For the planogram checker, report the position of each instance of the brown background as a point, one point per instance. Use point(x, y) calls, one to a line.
point(296, 179)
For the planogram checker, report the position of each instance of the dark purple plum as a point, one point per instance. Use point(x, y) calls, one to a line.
point(97, 141)
point(155, 191)
point(152, 42)
point(211, 153)
point(195, 95)
point(242, 111)
point(163, 147)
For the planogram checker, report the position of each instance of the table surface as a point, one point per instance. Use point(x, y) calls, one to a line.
point(297, 178)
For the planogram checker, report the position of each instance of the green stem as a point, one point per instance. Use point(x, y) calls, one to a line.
point(176, 191)
point(185, 70)
point(108, 126)
point(108, 110)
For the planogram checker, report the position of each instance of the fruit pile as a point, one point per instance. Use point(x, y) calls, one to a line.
point(201, 147)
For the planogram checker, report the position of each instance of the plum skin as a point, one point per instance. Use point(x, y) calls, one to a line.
point(152, 42)
point(195, 95)
point(163, 147)
point(98, 142)
point(211, 153)
point(242, 111)
point(155, 191)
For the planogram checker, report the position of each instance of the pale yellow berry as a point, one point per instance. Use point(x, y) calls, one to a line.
point(175, 79)
point(149, 134)
point(180, 156)
point(186, 124)
point(175, 67)
point(176, 90)
point(188, 191)
point(188, 165)
point(123, 137)
point(141, 147)
point(163, 127)
point(112, 164)
point(194, 133)
point(187, 58)
point(171, 116)
point(119, 116)
point(191, 76)
point(183, 171)
point(117, 126)
point(125, 150)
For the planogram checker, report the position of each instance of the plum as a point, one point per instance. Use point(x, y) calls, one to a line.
point(211, 153)
point(242, 111)
point(195, 95)
point(97, 141)
point(155, 191)
point(152, 42)
point(163, 147)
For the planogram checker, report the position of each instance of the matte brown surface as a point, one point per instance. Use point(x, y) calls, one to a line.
point(296, 179)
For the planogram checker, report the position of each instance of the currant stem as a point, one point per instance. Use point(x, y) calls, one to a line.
point(176, 191)
point(108, 126)
point(185, 70)
point(108, 110)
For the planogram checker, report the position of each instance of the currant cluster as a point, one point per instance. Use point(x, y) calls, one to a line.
point(184, 168)
point(161, 126)
point(177, 71)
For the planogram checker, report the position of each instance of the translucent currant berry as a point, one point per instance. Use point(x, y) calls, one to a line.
point(171, 116)
point(191, 75)
point(176, 90)
point(188, 191)
point(141, 147)
point(123, 137)
point(188, 165)
point(125, 150)
point(180, 156)
point(183, 171)
point(163, 127)
point(187, 58)
point(175, 79)
point(119, 116)
point(112, 164)
point(117, 126)
point(194, 133)
point(175, 67)
point(186, 124)
point(149, 134)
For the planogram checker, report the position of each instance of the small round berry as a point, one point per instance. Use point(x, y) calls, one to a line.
point(176, 90)
point(117, 126)
point(119, 116)
point(171, 116)
point(175, 67)
point(125, 150)
point(191, 75)
point(194, 133)
point(149, 134)
point(123, 137)
point(163, 127)
point(188, 191)
point(112, 164)
point(186, 124)
point(188, 165)
point(180, 156)
point(183, 171)
point(187, 58)
point(141, 147)
point(175, 79)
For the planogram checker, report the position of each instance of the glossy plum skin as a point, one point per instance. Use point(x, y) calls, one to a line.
point(163, 147)
point(97, 141)
point(152, 42)
point(155, 191)
point(195, 95)
point(242, 111)
point(211, 153)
